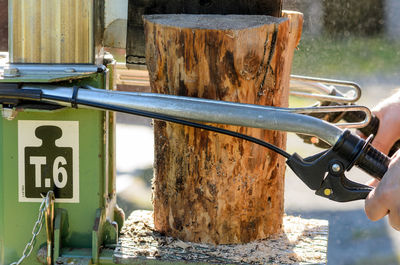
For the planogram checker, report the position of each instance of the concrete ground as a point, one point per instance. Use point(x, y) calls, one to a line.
point(353, 239)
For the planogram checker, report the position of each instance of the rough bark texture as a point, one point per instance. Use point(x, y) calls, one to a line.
point(210, 187)
point(295, 30)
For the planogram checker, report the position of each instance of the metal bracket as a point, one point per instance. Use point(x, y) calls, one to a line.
point(46, 72)
point(61, 226)
point(324, 173)
point(104, 232)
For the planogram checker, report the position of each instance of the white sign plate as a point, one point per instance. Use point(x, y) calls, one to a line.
point(48, 159)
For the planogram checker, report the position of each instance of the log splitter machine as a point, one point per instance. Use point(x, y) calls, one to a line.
point(58, 128)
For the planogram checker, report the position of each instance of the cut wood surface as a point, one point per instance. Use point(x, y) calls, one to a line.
point(135, 44)
point(210, 187)
point(303, 241)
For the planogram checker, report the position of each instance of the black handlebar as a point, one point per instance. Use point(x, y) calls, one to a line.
point(325, 172)
point(371, 128)
point(373, 162)
point(362, 154)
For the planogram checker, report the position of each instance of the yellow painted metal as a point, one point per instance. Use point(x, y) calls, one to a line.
point(327, 192)
point(51, 31)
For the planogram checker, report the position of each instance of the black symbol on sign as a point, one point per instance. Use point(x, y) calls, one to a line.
point(48, 167)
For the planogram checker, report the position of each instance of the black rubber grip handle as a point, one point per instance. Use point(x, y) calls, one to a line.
point(371, 128)
point(373, 162)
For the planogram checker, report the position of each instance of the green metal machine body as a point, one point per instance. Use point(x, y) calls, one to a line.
point(44, 147)
point(87, 207)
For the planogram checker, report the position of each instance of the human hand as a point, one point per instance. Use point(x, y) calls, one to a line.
point(388, 113)
point(385, 198)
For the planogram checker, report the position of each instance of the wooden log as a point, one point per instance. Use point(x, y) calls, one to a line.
point(210, 187)
point(135, 44)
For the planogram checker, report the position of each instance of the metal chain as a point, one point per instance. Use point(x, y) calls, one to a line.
point(35, 232)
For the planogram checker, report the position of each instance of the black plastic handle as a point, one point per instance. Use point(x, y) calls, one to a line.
point(373, 162)
point(371, 128)
point(325, 172)
point(361, 153)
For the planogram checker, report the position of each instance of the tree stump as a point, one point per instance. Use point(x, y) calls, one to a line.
point(209, 187)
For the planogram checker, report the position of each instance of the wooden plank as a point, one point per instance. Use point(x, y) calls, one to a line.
point(132, 80)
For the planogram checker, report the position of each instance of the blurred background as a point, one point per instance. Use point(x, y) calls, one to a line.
point(345, 39)
point(357, 41)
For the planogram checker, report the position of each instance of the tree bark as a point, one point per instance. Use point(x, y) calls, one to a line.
point(209, 187)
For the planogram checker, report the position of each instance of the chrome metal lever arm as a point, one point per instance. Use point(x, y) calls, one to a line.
point(304, 86)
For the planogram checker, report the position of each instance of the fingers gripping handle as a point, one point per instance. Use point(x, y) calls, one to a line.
point(371, 128)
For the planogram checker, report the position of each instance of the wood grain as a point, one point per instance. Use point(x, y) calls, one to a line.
point(210, 187)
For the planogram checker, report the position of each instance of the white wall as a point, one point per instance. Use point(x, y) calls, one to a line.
point(115, 9)
point(116, 18)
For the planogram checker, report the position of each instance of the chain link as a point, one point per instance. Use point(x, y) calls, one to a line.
point(35, 232)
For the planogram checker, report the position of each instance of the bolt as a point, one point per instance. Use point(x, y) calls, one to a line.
point(327, 192)
point(9, 113)
point(108, 58)
point(336, 168)
point(10, 72)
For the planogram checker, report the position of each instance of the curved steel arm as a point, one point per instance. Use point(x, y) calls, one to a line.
point(203, 110)
point(304, 83)
point(342, 109)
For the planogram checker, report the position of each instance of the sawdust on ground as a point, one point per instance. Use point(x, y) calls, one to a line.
point(304, 241)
